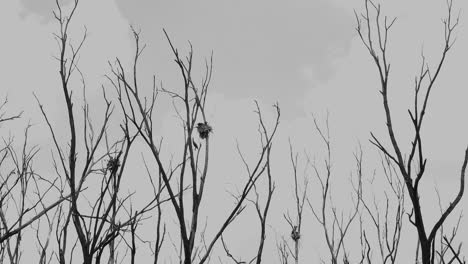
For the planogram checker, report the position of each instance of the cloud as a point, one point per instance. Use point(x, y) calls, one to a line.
point(259, 47)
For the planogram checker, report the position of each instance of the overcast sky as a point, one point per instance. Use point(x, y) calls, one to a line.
point(303, 54)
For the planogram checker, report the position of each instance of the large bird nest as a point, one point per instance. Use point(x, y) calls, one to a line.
point(295, 235)
point(113, 164)
point(204, 130)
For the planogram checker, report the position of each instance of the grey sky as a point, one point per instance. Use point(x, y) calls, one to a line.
point(298, 41)
point(304, 54)
point(287, 40)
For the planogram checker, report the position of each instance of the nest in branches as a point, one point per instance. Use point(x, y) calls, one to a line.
point(295, 235)
point(204, 130)
point(113, 164)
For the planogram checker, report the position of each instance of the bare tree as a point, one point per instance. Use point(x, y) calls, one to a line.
point(445, 253)
point(45, 253)
point(336, 230)
point(23, 191)
point(300, 195)
point(193, 163)
point(98, 217)
point(385, 221)
point(262, 213)
point(373, 30)
point(283, 250)
point(14, 195)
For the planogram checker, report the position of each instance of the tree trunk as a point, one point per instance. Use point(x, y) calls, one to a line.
point(296, 251)
point(426, 252)
point(87, 259)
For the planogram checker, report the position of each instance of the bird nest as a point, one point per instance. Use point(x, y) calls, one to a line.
point(113, 164)
point(204, 130)
point(295, 235)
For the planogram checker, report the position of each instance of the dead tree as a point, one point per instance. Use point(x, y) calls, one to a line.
point(373, 30)
point(19, 206)
point(23, 191)
point(295, 223)
point(334, 224)
point(98, 216)
point(44, 244)
point(262, 213)
point(385, 222)
point(445, 252)
point(283, 250)
point(191, 169)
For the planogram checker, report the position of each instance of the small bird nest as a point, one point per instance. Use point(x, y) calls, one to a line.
point(204, 130)
point(295, 235)
point(113, 164)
